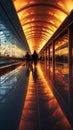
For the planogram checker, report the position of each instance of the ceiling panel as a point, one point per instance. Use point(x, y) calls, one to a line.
point(41, 18)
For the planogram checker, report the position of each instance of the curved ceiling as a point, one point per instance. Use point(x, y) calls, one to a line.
point(41, 18)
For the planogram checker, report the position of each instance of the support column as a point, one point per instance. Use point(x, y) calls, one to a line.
point(46, 59)
point(49, 58)
point(70, 33)
point(53, 57)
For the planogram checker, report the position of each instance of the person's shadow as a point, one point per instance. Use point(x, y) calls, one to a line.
point(34, 74)
point(27, 69)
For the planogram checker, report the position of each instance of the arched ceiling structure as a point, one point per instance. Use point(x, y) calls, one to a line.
point(41, 18)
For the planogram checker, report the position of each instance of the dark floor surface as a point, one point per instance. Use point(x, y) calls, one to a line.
point(28, 103)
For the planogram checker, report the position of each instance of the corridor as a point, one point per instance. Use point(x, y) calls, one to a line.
point(36, 64)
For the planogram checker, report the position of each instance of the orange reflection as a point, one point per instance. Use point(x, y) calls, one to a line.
point(27, 103)
point(40, 91)
point(53, 103)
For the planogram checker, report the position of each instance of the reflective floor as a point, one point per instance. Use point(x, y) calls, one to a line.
point(13, 88)
point(28, 103)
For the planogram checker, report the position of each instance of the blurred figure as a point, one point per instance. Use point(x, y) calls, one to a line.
point(35, 57)
point(27, 58)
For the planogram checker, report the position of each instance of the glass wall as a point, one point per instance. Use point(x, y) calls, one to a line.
point(71, 75)
point(45, 54)
point(61, 64)
point(51, 62)
point(60, 68)
point(71, 87)
point(8, 43)
point(72, 55)
point(47, 60)
point(72, 62)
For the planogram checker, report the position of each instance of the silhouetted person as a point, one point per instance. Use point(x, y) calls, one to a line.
point(27, 58)
point(35, 57)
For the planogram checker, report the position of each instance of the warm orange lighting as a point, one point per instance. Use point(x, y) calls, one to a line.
point(61, 4)
point(69, 5)
point(39, 88)
point(49, 15)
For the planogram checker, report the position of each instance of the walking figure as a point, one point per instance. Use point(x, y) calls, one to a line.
point(35, 57)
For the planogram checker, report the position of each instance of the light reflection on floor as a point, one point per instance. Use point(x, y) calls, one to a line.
point(7, 82)
point(41, 110)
